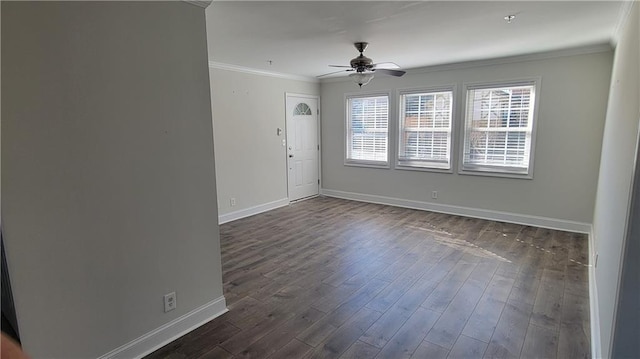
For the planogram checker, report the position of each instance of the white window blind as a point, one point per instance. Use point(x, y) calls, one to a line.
point(498, 129)
point(368, 129)
point(425, 129)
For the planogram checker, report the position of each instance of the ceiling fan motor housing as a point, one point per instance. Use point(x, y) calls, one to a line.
point(362, 63)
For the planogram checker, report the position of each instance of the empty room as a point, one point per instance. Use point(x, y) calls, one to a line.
point(320, 179)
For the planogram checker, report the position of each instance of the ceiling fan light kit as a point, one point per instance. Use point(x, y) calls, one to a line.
point(364, 67)
point(361, 78)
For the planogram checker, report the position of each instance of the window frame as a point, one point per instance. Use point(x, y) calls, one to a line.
point(421, 165)
point(499, 171)
point(347, 133)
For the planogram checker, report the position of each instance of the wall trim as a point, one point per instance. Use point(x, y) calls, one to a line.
point(544, 222)
point(248, 70)
point(573, 51)
point(169, 332)
point(594, 313)
point(200, 3)
point(247, 212)
point(623, 16)
point(581, 50)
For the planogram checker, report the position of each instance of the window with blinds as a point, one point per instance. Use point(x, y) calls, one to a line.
point(499, 129)
point(367, 130)
point(425, 129)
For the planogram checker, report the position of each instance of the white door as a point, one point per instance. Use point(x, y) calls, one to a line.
point(302, 146)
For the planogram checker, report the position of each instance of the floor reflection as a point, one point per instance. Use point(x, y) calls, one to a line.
point(447, 239)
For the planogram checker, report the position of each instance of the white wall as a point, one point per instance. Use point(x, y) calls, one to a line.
point(107, 171)
point(627, 323)
point(572, 107)
point(616, 172)
point(250, 158)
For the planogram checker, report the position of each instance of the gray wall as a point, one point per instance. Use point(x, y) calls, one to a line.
point(251, 163)
point(107, 170)
point(616, 172)
point(572, 107)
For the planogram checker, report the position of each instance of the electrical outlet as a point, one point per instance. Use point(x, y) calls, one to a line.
point(170, 302)
point(434, 194)
point(232, 202)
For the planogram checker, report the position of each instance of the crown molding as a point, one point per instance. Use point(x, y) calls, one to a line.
point(623, 16)
point(582, 50)
point(200, 3)
point(248, 70)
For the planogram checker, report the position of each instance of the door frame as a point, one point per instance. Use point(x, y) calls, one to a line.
point(319, 138)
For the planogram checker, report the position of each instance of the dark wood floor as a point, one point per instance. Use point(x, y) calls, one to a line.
point(330, 278)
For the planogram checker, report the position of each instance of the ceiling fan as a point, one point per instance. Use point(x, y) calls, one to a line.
point(363, 67)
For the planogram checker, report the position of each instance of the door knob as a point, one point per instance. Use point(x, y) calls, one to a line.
point(290, 156)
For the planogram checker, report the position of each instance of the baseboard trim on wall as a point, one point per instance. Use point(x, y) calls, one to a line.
point(596, 347)
point(169, 332)
point(524, 219)
point(228, 217)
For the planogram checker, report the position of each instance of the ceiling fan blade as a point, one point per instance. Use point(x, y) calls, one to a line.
point(397, 73)
point(335, 72)
point(386, 65)
point(345, 66)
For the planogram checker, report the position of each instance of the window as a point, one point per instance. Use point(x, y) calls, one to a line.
point(302, 109)
point(499, 127)
point(425, 129)
point(367, 130)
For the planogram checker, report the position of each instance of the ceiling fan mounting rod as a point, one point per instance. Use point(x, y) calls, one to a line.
point(361, 46)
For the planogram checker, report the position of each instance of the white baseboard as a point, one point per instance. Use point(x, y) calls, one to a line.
point(247, 212)
point(596, 348)
point(524, 219)
point(169, 332)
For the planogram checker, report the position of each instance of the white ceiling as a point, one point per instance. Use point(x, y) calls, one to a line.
point(303, 37)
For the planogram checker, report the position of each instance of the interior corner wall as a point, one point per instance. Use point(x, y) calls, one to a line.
point(572, 106)
point(108, 176)
point(251, 162)
point(616, 173)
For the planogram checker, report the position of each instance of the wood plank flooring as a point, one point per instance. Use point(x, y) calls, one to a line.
point(331, 278)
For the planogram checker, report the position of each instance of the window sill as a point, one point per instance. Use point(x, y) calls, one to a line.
point(488, 173)
point(423, 169)
point(380, 165)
